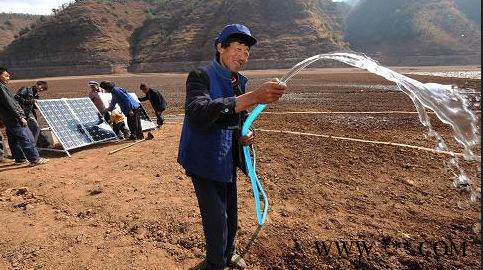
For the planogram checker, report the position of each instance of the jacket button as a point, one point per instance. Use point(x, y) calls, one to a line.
point(226, 110)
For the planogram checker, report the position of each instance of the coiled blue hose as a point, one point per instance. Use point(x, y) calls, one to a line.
point(250, 164)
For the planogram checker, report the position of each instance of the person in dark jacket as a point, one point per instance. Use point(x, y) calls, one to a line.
point(157, 101)
point(20, 139)
point(26, 97)
point(210, 144)
point(129, 107)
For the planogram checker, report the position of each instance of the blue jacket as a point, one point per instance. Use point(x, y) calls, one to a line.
point(209, 139)
point(125, 101)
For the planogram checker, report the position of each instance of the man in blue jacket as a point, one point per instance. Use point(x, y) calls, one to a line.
point(129, 107)
point(210, 144)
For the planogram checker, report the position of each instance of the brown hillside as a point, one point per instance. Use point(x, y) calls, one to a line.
point(85, 38)
point(285, 29)
point(105, 37)
point(99, 36)
point(398, 30)
point(12, 25)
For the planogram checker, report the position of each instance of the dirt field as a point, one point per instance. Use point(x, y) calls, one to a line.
point(137, 210)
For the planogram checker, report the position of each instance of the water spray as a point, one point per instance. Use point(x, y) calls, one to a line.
point(446, 101)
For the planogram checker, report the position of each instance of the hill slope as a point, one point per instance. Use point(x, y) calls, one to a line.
point(400, 29)
point(172, 35)
point(88, 37)
point(13, 24)
point(471, 8)
point(285, 29)
point(100, 36)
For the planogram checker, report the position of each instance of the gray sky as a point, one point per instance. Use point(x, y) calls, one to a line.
point(43, 7)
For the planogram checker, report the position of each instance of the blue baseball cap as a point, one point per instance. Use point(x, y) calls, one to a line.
point(232, 29)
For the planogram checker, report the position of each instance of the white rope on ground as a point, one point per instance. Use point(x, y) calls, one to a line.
point(322, 112)
point(380, 112)
point(364, 141)
point(354, 140)
point(312, 112)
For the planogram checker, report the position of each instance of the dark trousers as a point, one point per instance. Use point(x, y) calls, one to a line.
point(159, 119)
point(218, 206)
point(134, 124)
point(33, 126)
point(21, 142)
point(107, 117)
point(39, 139)
point(121, 131)
point(2, 150)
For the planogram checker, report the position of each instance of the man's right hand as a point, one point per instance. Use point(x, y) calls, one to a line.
point(270, 91)
point(23, 122)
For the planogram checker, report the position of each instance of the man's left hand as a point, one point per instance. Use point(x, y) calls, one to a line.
point(23, 122)
point(247, 140)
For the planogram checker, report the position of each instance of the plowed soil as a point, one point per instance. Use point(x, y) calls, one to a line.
point(136, 209)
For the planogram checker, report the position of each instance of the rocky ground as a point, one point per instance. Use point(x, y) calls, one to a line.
point(137, 210)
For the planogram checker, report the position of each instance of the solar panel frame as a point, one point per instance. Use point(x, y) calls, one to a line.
point(62, 119)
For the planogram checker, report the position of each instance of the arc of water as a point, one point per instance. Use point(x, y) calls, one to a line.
point(446, 102)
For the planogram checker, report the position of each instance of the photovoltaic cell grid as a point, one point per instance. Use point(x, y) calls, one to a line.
point(92, 121)
point(64, 124)
point(75, 122)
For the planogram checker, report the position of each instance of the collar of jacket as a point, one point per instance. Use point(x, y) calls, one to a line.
point(225, 74)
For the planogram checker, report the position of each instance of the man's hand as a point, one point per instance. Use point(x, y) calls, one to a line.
point(267, 93)
point(23, 122)
point(270, 91)
point(247, 140)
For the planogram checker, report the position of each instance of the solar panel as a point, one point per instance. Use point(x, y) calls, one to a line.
point(75, 122)
point(146, 122)
point(91, 119)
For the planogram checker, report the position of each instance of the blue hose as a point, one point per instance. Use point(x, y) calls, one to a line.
point(250, 164)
